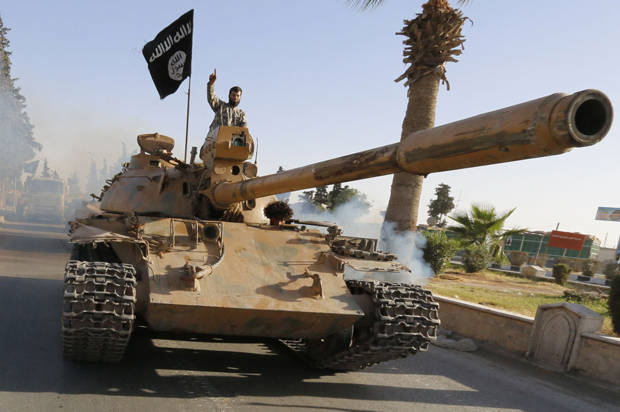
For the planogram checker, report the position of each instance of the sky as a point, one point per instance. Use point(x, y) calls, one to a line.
point(318, 83)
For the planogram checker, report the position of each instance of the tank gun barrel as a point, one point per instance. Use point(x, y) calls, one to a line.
point(543, 127)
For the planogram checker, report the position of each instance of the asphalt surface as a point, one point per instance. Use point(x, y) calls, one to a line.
point(159, 373)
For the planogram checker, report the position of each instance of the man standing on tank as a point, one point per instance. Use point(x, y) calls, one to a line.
point(226, 114)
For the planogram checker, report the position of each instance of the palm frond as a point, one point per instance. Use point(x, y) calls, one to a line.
point(432, 39)
point(369, 4)
point(483, 225)
point(364, 4)
point(512, 232)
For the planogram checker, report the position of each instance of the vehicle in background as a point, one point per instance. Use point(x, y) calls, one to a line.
point(43, 200)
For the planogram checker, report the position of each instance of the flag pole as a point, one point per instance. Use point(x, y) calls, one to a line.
point(189, 90)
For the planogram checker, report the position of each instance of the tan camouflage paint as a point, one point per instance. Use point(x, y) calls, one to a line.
point(542, 127)
point(253, 279)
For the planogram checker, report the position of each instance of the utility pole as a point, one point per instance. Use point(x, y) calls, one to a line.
point(542, 237)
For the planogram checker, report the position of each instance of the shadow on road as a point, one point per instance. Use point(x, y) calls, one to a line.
point(31, 361)
point(25, 242)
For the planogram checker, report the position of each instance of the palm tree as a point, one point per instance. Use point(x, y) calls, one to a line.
point(484, 227)
point(433, 38)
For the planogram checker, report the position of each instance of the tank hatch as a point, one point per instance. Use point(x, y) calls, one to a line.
point(155, 143)
point(234, 143)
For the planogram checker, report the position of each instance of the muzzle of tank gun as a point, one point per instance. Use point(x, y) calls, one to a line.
point(543, 127)
point(587, 116)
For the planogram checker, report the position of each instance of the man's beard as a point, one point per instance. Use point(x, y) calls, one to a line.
point(232, 104)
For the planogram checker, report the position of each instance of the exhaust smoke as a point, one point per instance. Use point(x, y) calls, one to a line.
point(355, 220)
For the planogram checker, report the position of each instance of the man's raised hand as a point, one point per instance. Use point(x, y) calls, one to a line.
point(213, 77)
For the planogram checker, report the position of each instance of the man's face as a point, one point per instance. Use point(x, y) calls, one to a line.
point(234, 98)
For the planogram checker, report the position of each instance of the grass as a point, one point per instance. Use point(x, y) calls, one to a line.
point(511, 293)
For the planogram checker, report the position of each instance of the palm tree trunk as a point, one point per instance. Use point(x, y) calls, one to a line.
point(402, 210)
point(432, 39)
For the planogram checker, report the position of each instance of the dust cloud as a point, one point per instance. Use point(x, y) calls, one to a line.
point(76, 147)
point(74, 140)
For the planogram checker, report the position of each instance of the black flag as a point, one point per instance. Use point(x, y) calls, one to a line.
point(169, 55)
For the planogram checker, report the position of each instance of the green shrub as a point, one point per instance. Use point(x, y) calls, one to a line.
point(476, 258)
point(567, 261)
point(561, 272)
point(585, 297)
point(573, 296)
point(438, 250)
point(611, 270)
point(518, 258)
point(587, 267)
point(614, 303)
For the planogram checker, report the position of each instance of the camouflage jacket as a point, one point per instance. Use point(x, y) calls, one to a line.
point(225, 115)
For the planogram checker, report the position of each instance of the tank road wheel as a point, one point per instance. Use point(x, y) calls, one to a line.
point(98, 310)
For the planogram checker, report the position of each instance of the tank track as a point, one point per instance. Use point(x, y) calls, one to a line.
point(404, 322)
point(98, 310)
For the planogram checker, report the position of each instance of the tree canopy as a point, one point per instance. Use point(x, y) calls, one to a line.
point(322, 199)
point(441, 205)
point(16, 138)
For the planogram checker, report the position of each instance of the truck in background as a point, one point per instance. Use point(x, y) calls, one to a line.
point(43, 200)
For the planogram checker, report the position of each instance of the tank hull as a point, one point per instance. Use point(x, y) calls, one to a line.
point(267, 282)
point(192, 276)
point(254, 279)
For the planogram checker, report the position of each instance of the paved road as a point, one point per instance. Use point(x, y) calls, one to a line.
point(160, 374)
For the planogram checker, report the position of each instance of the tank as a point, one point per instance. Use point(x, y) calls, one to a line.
point(186, 248)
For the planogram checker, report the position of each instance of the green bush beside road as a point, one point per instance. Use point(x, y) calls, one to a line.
point(438, 250)
point(561, 271)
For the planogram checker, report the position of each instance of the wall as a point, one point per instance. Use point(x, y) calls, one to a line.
point(598, 356)
point(483, 323)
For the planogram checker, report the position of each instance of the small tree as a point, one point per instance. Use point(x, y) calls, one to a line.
point(74, 185)
point(93, 185)
point(475, 258)
point(321, 199)
point(284, 197)
point(438, 250)
point(46, 170)
point(587, 267)
point(307, 195)
point(611, 270)
point(335, 195)
point(561, 271)
point(518, 258)
point(483, 226)
point(339, 196)
point(104, 172)
point(614, 303)
point(441, 205)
